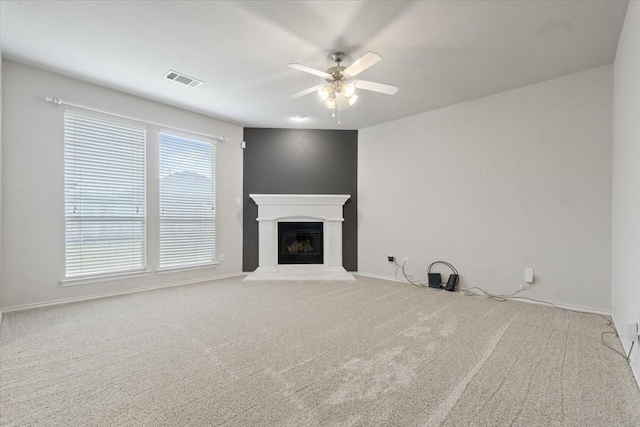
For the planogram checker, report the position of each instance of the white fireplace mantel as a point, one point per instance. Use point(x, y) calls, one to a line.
point(325, 208)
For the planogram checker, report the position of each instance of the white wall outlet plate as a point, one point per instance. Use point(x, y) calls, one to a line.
point(528, 275)
point(221, 257)
point(406, 260)
point(633, 331)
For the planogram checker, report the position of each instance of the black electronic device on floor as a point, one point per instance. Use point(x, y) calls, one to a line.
point(435, 279)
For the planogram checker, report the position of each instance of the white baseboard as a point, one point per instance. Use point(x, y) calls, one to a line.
point(111, 294)
point(379, 276)
point(577, 308)
point(626, 347)
point(560, 305)
point(547, 303)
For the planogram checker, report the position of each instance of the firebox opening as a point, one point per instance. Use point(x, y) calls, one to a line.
point(300, 243)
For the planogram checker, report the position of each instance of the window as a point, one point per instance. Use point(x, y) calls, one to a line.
point(104, 196)
point(187, 202)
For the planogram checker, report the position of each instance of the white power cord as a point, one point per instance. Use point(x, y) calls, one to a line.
point(409, 279)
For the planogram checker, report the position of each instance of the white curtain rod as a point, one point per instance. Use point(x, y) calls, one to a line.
point(59, 102)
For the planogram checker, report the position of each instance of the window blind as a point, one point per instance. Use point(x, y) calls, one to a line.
point(104, 196)
point(187, 202)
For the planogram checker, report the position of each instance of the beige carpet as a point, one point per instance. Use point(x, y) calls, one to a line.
point(363, 353)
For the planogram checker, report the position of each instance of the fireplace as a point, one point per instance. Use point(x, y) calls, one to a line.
point(300, 243)
point(300, 237)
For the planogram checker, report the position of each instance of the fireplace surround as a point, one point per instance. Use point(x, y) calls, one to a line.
point(325, 210)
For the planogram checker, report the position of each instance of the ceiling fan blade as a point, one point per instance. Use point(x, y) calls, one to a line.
point(305, 92)
point(377, 87)
point(309, 70)
point(362, 63)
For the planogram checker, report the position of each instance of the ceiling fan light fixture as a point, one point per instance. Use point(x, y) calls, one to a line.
point(353, 99)
point(330, 103)
point(342, 102)
point(324, 92)
point(349, 89)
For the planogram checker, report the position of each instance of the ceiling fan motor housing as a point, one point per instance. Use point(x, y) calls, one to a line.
point(337, 57)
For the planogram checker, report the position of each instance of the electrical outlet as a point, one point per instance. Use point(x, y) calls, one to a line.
point(221, 257)
point(391, 258)
point(528, 275)
point(406, 260)
point(633, 331)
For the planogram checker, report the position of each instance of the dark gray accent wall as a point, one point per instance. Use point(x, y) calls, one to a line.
point(300, 161)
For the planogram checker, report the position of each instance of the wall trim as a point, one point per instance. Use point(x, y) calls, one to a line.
point(379, 276)
point(560, 305)
point(569, 307)
point(622, 333)
point(112, 294)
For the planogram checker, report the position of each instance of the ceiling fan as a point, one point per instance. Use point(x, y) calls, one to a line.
point(339, 91)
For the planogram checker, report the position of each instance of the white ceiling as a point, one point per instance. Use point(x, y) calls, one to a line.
point(439, 53)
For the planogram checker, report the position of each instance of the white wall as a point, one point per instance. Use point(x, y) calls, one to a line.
point(625, 274)
point(33, 190)
point(1, 292)
point(514, 180)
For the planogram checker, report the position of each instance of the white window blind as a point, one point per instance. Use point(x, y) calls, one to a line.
point(104, 196)
point(187, 202)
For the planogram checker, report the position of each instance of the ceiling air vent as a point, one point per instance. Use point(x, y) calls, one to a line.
point(181, 78)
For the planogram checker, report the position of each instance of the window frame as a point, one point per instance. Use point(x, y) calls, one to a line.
point(178, 133)
point(102, 275)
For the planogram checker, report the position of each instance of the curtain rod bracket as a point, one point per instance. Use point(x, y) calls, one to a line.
point(56, 101)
